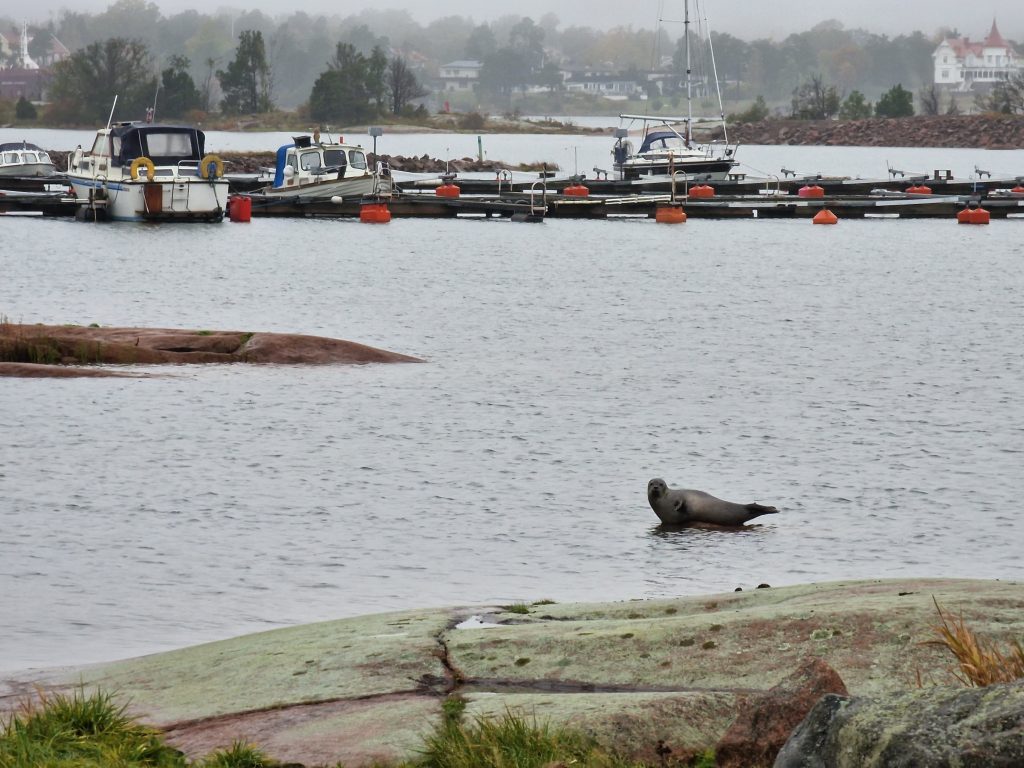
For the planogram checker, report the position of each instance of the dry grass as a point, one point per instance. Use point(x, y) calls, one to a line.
point(979, 661)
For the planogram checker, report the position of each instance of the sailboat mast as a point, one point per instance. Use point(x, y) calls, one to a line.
point(689, 94)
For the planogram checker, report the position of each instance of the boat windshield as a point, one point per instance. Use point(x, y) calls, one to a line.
point(11, 157)
point(335, 158)
point(310, 161)
point(358, 159)
point(656, 140)
point(100, 146)
point(169, 144)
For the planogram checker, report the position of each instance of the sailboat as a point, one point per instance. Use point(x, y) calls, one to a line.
point(667, 145)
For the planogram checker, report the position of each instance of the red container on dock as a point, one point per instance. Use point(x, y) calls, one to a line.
point(240, 208)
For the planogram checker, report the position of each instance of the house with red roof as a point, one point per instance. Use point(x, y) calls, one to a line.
point(963, 65)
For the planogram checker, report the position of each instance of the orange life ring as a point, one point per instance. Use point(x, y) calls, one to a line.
point(140, 162)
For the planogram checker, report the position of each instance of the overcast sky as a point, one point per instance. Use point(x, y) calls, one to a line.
point(743, 18)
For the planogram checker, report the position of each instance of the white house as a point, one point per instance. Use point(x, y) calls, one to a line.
point(614, 86)
point(961, 64)
point(460, 75)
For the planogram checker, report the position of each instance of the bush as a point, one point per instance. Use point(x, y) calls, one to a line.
point(25, 110)
point(472, 121)
point(755, 113)
point(896, 102)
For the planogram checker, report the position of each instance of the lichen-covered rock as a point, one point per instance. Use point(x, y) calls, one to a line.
point(766, 721)
point(961, 727)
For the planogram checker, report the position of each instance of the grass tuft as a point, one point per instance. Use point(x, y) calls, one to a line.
point(512, 741)
point(82, 732)
point(980, 662)
point(239, 755)
point(517, 608)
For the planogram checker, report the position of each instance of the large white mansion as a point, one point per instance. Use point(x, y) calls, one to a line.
point(961, 64)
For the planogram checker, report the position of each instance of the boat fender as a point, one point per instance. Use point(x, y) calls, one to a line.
point(143, 162)
point(211, 167)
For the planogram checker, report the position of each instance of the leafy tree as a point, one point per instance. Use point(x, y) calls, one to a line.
point(896, 102)
point(246, 82)
point(343, 92)
point(403, 85)
point(178, 92)
point(855, 107)
point(25, 110)
point(527, 39)
point(84, 84)
point(549, 76)
point(481, 43)
point(929, 98)
point(503, 71)
point(1005, 97)
point(378, 78)
point(39, 45)
point(813, 100)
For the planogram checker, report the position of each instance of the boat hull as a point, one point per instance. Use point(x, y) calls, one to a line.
point(366, 186)
point(704, 168)
point(174, 199)
point(28, 169)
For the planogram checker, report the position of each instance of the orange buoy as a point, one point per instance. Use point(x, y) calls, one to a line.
point(973, 216)
point(669, 214)
point(576, 190)
point(374, 213)
point(919, 189)
point(825, 216)
point(812, 190)
point(702, 190)
point(240, 208)
point(448, 190)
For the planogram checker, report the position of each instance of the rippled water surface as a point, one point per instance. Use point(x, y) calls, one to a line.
point(865, 378)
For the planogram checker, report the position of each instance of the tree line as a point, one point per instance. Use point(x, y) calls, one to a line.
point(352, 88)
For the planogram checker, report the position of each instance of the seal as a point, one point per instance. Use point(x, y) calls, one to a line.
point(680, 506)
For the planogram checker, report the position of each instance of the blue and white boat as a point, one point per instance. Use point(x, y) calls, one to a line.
point(149, 172)
point(310, 167)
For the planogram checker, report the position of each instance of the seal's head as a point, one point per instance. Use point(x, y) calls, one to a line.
point(656, 488)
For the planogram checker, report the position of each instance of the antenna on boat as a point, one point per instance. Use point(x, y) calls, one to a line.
point(112, 107)
point(151, 115)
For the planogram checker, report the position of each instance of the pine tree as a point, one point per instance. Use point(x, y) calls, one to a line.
point(246, 82)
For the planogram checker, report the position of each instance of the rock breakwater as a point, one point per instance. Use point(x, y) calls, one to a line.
point(952, 131)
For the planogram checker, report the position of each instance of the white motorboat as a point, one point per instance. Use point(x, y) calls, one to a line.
point(19, 158)
point(667, 145)
point(149, 172)
point(311, 168)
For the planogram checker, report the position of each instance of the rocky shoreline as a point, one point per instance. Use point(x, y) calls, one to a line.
point(950, 131)
point(734, 673)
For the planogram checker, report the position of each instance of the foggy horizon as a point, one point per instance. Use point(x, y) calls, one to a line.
point(725, 16)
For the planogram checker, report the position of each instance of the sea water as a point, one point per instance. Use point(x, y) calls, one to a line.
point(865, 378)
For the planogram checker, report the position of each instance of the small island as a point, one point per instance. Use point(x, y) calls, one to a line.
point(43, 351)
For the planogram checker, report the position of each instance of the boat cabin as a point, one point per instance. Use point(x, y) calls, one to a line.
point(176, 146)
point(21, 158)
point(306, 162)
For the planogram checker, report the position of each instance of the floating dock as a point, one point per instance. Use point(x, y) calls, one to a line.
point(743, 198)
